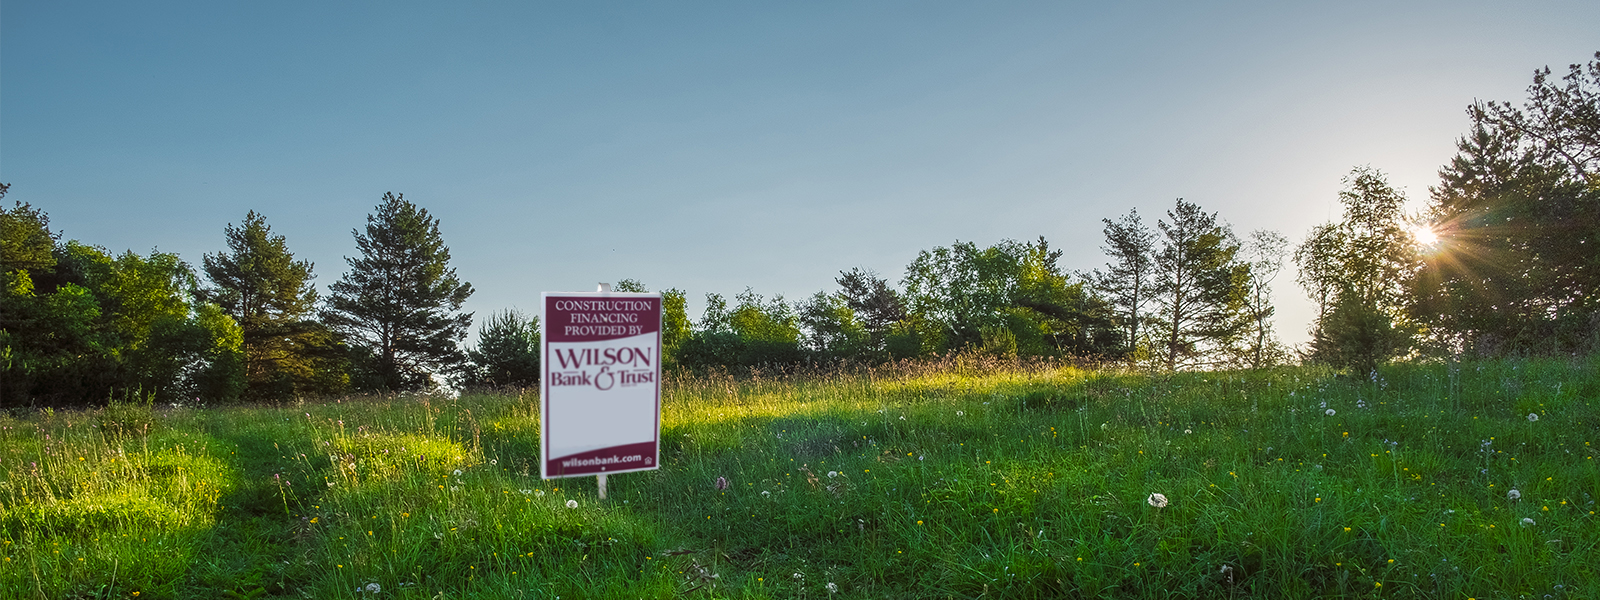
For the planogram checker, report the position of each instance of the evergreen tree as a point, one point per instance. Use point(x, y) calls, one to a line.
point(1516, 268)
point(507, 354)
point(874, 303)
point(1126, 282)
point(401, 301)
point(269, 294)
point(1200, 289)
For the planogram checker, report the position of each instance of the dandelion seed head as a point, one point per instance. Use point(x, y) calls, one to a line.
point(1157, 500)
point(572, 504)
point(1330, 412)
point(1526, 522)
point(1513, 495)
point(1532, 417)
point(373, 588)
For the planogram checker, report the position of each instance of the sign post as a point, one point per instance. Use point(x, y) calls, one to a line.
point(600, 384)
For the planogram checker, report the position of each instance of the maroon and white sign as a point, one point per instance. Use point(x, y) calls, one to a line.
point(601, 383)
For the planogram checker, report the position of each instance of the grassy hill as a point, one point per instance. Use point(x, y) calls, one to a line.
point(967, 478)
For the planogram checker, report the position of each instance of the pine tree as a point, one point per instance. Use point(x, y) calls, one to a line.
point(1126, 282)
point(507, 354)
point(1201, 288)
point(269, 294)
point(400, 301)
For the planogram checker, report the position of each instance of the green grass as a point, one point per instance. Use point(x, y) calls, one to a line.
point(964, 479)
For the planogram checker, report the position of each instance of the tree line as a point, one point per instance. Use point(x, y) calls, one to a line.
point(1501, 262)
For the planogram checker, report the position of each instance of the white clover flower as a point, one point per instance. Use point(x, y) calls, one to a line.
point(1187, 432)
point(373, 588)
point(1157, 500)
point(494, 462)
point(1331, 412)
point(1513, 495)
point(833, 588)
point(1526, 522)
point(798, 576)
point(572, 504)
point(961, 413)
point(1532, 417)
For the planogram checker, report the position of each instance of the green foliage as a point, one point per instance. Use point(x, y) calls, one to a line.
point(1264, 252)
point(401, 300)
point(875, 304)
point(269, 294)
point(675, 325)
point(832, 330)
point(85, 326)
point(1359, 271)
point(756, 332)
point(1201, 289)
point(507, 354)
point(961, 297)
point(1127, 282)
point(1517, 213)
point(25, 239)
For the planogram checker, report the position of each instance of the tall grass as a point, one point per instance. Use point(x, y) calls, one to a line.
point(965, 478)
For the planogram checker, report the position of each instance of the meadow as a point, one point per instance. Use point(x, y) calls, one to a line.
point(964, 478)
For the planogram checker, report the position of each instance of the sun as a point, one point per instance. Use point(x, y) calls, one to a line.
point(1424, 235)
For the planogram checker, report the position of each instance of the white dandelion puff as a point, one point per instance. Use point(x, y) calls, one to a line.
point(1532, 417)
point(1157, 500)
point(1513, 495)
point(961, 413)
point(572, 504)
point(458, 473)
point(373, 588)
point(1526, 522)
point(1331, 412)
point(832, 474)
point(833, 588)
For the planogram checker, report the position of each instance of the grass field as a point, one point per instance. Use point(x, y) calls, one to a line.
point(963, 479)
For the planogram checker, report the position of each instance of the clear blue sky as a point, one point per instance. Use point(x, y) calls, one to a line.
point(714, 146)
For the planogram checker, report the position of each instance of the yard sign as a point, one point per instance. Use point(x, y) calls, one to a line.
point(601, 383)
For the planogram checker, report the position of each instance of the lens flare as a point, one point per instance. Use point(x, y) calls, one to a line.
point(1424, 235)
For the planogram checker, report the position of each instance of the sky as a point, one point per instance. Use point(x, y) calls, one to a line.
point(714, 146)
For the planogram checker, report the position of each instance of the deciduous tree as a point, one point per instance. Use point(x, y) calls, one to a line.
point(1359, 270)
